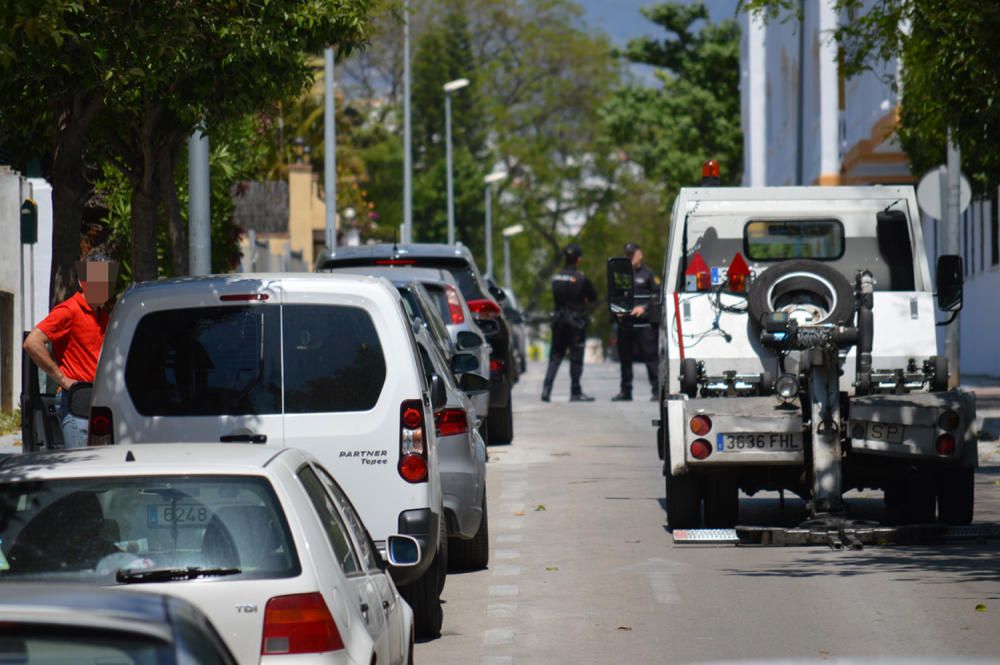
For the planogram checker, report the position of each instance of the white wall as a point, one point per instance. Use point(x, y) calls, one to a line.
point(39, 254)
point(10, 275)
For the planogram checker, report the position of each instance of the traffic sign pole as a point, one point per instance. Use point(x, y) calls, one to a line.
point(952, 245)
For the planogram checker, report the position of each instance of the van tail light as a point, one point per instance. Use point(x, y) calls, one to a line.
point(454, 304)
point(100, 427)
point(243, 297)
point(738, 274)
point(412, 442)
point(945, 444)
point(396, 262)
point(496, 365)
point(300, 623)
point(484, 308)
point(701, 449)
point(451, 421)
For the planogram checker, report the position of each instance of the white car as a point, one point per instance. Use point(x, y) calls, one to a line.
point(262, 541)
point(324, 363)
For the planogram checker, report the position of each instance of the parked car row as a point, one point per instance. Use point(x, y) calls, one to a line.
point(326, 463)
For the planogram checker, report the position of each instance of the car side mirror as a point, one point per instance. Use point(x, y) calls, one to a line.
point(473, 384)
point(496, 292)
point(515, 316)
point(949, 282)
point(489, 326)
point(79, 399)
point(439, 392)
point(621, 285)
point(402, 551)
point(464, 362)
point(468, 340)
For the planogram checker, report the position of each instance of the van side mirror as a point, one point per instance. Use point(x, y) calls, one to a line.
point(949, 282)
point(468, 340)
point(464, 362)
point(473, 384)
point(621, 287)
point(79, 399)
point(439, 392)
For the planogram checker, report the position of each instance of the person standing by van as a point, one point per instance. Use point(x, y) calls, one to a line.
point(637, 333)
point(75, 329)
point(572, 293)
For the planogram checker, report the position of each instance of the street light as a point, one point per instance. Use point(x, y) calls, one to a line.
point(509, 233)
point(450, 87)
point(496, 176)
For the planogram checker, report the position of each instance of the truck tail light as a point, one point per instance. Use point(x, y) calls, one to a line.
point(949, 420)
point(697, 277)
point(412, 442)
point(300, 623)
point(449, 422)
point(738, 274)
point(454, 304)
point(100, 427)
point(701, 449)
point(701, 425)
point(945, 444)
point(484, 308)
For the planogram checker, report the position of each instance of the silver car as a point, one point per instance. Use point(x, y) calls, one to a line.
point(461, 453)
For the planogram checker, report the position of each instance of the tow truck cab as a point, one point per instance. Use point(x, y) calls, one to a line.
point(798, 352)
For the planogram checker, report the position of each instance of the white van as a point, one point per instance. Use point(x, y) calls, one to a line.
point(325, 363)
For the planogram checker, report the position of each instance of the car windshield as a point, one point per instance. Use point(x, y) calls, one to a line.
point(779, 240)
point(132, 529)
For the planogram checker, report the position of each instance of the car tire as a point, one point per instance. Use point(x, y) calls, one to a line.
point(424, 596)
point(472, 554)
point(806, 276)
point(919, 497)
point(722, 496)
point(956, 496)
point(939, 383)
point(683, 502)
point(689, 377)
point(442, 552)
point(501, 423)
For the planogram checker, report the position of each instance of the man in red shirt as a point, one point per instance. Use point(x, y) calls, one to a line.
point(75, 328)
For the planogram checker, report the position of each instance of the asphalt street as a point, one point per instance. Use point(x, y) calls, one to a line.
point(583, 569)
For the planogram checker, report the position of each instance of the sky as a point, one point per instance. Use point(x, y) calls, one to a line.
point(622, 21)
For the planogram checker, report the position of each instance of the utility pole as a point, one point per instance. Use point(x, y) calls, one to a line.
point(199, 207)
point(449, 88)
point(953, 245)
point(330, 148)
point(407, 150)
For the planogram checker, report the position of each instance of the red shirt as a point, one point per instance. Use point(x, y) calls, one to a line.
point(77, 333)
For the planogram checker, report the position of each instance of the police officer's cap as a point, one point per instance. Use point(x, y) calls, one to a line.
point(572, 251)
point(630, 248)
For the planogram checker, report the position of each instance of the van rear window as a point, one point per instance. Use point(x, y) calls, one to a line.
point(782, 239)
point(211, 361)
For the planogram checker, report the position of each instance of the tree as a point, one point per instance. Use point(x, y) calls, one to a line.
point(132, 79)
point(950, 59)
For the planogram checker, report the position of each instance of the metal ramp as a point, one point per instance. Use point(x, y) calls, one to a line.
point(838, 534)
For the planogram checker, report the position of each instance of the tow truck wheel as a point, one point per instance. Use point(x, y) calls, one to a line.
point(683, 502)
point(918, 498)
point(721, 502)
point(956, 496)
point(809, 291)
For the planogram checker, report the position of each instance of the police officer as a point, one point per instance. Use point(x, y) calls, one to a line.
point(572, 292)
point(636, 331)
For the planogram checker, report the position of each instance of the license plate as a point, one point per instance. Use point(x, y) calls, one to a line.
point(766, 442)
point(888, 432)
point(181, 514)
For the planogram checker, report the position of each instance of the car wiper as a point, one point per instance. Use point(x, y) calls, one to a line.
point(139, 576)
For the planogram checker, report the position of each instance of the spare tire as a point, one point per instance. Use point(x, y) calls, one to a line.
point(811, 292)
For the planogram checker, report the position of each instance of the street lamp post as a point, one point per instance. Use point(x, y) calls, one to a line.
point(509, 233)
point(450, 87)
point(496, 176)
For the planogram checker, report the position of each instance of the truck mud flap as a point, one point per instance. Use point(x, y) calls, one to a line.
point(838, 538)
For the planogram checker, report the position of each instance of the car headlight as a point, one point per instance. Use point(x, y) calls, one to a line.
point(787, 387)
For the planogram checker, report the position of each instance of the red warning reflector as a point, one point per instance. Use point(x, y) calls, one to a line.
point(738, 273)
point(697, 277)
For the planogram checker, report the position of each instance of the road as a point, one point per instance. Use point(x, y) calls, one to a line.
point(583, 569)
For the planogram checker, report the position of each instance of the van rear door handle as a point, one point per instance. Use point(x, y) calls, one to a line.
point(243, 438)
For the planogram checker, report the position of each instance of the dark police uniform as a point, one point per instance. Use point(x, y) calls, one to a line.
point(637, 335)
point(571, 292)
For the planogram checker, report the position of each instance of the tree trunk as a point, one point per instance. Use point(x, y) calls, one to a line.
point(176, 230)
point(70, 192)
point(146, 199)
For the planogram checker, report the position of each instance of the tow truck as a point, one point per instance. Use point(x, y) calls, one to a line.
point(798, 352)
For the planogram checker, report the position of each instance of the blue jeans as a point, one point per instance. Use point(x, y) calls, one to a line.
point(74, 430)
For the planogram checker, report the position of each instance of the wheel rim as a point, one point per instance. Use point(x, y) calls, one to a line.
point(806, 307)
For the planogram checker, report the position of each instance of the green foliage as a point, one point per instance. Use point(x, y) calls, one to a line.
point(950, 73)
point(10, 422)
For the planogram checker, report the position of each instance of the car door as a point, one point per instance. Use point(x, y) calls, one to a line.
point(40, 428)
point(346, 553)
point(388, 599)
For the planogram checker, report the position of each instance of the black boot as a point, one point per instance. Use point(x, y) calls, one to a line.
point(579, 396)
point(622, 397)
point(546, 393)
